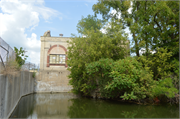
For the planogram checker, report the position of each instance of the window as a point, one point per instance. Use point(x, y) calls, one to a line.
point(57, 59)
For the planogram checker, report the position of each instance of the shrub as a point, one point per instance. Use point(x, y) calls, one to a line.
point(165, 87)
point(128, 79)
point(12, 68)
point(124, 77)
point(34, 74)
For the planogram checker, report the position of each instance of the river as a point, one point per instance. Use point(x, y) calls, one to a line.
point(68, 105)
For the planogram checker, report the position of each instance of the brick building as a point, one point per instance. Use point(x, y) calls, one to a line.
point(53, 68)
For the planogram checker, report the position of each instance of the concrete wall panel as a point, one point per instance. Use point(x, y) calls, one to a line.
point(12, 88)
point(53, 81)
point(2, 95)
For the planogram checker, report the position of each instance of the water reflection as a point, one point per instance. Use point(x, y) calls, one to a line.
point(88, 108)
point(24, 108)
point(44, 106)
point(68, 105)
point(53, 105)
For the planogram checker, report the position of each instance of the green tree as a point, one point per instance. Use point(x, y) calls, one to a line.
point(166, 26)
point(104, 7)
point(98, 61)
point(166, 73)
point(95, 46)
point(153, 24)
point(20, 56)
point(87, 23)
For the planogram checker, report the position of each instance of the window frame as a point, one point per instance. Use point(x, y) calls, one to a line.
point(63, 56)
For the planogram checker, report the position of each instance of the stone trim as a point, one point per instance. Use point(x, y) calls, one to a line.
point(58, 64)
point(48, 61)
point(49, 52)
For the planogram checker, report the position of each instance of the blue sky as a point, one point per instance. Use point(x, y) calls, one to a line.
point(22, 22)
point(66, 20)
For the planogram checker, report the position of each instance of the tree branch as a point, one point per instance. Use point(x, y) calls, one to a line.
point(157, 22)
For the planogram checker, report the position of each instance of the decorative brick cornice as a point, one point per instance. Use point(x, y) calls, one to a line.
point(56, 46)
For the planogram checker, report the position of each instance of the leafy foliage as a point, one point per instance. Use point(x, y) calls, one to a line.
point(95, 46)
point(20, 56)
point(33, 74)
point(165, 87)
point(166, 73)
point(98, 61)
point(124, 77)
point(87, 23)
point(128, 79)
point(153, 24)
point(158, 62)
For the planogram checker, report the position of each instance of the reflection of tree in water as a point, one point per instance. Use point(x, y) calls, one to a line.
point(89, 108)
point(152, 111)
point(131, 114)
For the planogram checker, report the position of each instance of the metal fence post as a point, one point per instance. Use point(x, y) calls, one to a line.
point(29, 65)
point(7, 55)
point(38, 67)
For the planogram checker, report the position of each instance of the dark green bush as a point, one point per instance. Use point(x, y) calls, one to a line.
point(128, 79)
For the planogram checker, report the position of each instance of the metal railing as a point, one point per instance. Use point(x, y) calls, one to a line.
point(7, 54)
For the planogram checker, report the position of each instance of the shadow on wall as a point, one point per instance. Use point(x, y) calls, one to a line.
point(24, 108)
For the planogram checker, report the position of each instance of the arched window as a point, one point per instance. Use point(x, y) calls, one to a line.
point(57, 56)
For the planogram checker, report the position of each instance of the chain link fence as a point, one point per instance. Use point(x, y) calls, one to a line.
point(7, 54)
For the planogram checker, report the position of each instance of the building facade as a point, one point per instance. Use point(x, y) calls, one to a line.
point(53, 53)
point(53, 74)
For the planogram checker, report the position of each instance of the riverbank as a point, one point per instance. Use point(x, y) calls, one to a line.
point(146, 101)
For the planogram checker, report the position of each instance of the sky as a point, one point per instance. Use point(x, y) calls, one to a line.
point(22, 22)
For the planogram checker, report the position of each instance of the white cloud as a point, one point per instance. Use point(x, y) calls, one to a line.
point(46, 12)
point(33, 43)
point(103, 30)
point(34, 56)
point(18, 16)
point(84, 36)
point(60, 18)
point(128, 32)
point(86, 4)
point(116, 14)
point(130, 9)
point(143, 50)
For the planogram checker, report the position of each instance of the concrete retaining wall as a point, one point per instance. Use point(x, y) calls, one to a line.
point(12, 88)
point(53, 81)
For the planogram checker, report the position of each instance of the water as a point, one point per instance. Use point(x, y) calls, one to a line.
point(68, 105)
